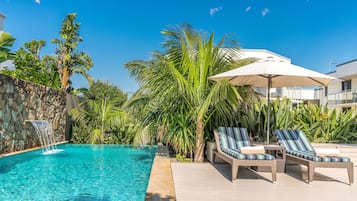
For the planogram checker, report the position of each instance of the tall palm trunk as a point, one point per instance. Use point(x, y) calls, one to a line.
point(65, 79)
point(199, 141)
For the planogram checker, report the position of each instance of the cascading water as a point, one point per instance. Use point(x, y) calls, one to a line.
point(45, 134)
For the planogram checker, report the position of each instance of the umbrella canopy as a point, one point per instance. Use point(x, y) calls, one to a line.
point(282, 74)
point(276, 74)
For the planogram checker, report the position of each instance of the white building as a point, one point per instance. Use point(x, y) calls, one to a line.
point(261, 54)
point(296, 94)
point(342, 92)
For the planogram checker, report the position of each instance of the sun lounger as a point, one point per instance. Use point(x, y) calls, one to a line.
point(229, 140)
point(299, 149)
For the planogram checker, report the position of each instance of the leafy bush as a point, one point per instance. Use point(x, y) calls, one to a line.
point(254, 118)
point(318, 123)
point(322, 125)
point(102, 118)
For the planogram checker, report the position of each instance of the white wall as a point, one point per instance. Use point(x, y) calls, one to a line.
point(346, 71)
point(354, 83)
point(299, 93)
point(262, 54)
point(334, 86)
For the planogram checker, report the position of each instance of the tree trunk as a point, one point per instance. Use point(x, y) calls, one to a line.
point(65, 79)
point(199, 141)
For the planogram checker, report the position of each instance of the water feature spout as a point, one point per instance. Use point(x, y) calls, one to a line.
point(45, 134)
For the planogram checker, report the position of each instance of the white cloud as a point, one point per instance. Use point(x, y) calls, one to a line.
point(38, 1)
point(265, 11)
point(213, 11)
point(248, 8)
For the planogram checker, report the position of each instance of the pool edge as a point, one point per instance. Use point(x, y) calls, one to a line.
point(27, 150)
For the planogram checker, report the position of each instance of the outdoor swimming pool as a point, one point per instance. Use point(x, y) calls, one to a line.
point(80, 172)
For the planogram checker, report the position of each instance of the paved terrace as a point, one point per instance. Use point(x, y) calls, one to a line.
point(205, 181)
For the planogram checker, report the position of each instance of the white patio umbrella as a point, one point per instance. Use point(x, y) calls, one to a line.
point(273, 74)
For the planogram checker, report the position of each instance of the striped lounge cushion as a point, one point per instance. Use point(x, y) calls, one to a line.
point(312, 157)
point(232, 139)
point(237, 155)
point(293, 140)
point(297, 144)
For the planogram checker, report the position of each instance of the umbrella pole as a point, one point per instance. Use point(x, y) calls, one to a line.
point(268, 121)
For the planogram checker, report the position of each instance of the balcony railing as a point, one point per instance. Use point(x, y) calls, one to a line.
point(343, 97)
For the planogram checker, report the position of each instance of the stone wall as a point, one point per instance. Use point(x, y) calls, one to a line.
point(21, 100)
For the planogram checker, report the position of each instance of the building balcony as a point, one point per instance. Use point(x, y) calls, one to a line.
point(344, 97)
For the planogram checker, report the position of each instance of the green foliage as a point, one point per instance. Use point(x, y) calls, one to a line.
point(53, 71)
point(6, 42)
point(100, 90)
point(175, 98)
point(31, 67)
point(322, 125)
point(282, 117)
point(318, 123)
point(180, 133)
point(80, 133)
point(99, 118)
point(69, 59)
point(182, 158)
point(253, 118)
point(102, 118)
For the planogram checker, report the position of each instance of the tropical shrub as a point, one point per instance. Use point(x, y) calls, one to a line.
point(253, 118)
point(322, 125)
point(80, 133)
point(318, 122)
point(102, 118)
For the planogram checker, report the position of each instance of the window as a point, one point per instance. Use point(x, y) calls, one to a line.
point(346, 85)
point(326, 91)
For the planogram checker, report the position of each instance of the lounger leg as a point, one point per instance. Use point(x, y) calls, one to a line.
point(350, 172)
point(234, 171)
point(310, 171)
point(273, 171)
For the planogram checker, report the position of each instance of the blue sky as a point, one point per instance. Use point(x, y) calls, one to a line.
point(312, 33)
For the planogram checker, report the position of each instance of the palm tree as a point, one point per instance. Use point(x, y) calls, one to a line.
point(69, 60)
point(100, 117)
point(176, 88)
point(6, 41)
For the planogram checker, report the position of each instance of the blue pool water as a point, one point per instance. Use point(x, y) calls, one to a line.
point(80, 172)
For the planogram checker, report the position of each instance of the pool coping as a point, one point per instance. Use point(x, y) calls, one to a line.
point(161, 185)
point(27, 150)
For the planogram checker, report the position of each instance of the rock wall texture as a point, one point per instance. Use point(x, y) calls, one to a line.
point(21, 100)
